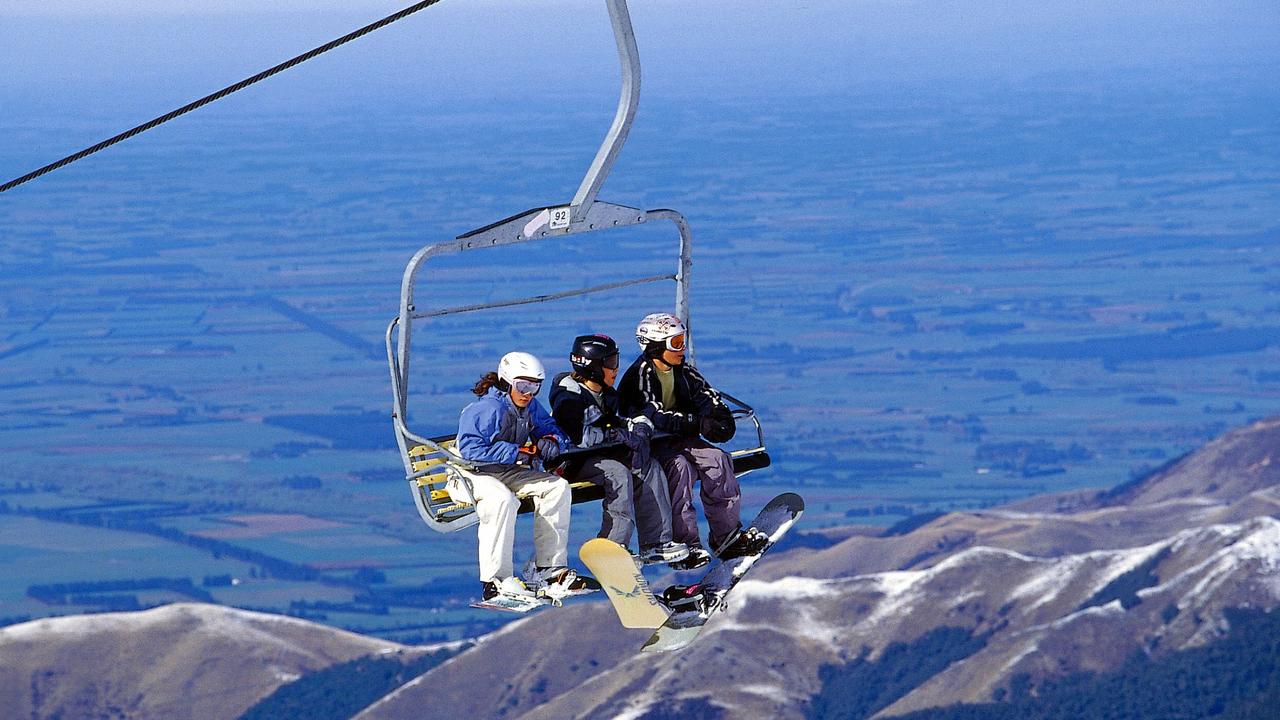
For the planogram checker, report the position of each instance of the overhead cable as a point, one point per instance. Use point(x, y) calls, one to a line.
point(220, 94)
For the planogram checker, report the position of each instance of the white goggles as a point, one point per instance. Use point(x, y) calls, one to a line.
point(527, 387)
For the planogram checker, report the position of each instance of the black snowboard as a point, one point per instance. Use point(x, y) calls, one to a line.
point(707, 596)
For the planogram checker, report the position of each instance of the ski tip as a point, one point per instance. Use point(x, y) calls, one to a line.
point(517, 608)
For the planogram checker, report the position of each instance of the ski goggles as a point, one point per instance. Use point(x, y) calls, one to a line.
point(675, 343)
point(611, 362)
point(527, 387)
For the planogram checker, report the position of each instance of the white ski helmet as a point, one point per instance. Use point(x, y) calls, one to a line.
point(519, 365)
point(658, 328)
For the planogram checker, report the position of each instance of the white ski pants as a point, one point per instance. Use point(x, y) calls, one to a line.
point(497, 490)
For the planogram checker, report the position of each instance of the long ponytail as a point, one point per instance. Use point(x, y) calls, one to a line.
point(488, 380)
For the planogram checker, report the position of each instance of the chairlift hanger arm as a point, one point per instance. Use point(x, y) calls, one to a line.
point(439, 509)
point(629, 56)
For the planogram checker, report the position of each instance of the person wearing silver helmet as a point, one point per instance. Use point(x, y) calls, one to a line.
point(687, 412)
point(510, 438)
point(585, 405)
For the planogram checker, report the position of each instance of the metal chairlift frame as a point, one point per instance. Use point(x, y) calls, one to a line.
point(431, 464)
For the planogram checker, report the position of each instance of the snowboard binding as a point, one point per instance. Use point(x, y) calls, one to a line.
point(684, 598)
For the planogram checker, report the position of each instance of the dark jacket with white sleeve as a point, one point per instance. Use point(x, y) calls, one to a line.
point(698, 408)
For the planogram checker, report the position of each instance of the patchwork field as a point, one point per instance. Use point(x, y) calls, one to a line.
point(946, 303)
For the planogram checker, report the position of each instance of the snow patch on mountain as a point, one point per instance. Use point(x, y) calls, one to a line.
point(975, 556)
point(901, 589)
point(1031, 644)
point(1112, 608)
point(787, 588)
point(801, 620)
point(1056, 576)
point(1115, 563)
point(636, 711)
point(763, 690)
point(1261, 546)
point(1204, 534)
point(1256, 542)
point(213, 620)
point(897, 593)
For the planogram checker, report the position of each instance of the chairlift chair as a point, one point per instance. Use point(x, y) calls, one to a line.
point(439, 478)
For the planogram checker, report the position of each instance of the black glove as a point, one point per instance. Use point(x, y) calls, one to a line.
point(548, 450)
point(636, 441)
point(718, 425)
point(687, 425)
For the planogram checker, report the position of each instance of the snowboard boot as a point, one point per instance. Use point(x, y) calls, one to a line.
point(561, 582)
point(696, 558)
point(668, 552)
point(741, 543)
point(510, 588)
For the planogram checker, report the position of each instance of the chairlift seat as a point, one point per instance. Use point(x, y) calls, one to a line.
point(436, 465)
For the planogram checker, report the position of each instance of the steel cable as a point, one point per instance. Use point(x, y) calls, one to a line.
point(220, 94)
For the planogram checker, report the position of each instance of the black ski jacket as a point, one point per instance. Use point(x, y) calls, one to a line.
point(699, 409)
point(576, 411)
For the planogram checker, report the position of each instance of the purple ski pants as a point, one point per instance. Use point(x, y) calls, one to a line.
point(686, 461)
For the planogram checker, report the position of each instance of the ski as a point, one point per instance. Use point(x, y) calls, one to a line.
point(512, 605)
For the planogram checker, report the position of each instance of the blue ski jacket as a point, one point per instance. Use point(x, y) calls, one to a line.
point(492, 429)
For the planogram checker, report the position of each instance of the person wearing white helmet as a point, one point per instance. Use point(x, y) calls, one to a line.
point(510, 438)
point(685, 409)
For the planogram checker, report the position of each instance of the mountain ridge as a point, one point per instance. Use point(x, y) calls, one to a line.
point(185, 660)
point(1039, 589)
point(1033, 576)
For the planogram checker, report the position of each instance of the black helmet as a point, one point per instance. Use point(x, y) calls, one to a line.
point(591, 354)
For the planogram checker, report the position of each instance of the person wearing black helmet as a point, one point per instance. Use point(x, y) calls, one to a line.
point(685, 409)
point(585, 406)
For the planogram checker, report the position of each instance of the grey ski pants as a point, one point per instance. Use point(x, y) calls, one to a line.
point(687, 461)
point(631, 501)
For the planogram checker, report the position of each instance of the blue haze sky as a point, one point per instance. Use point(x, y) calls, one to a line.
point(119, 62)
point(748, 47)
